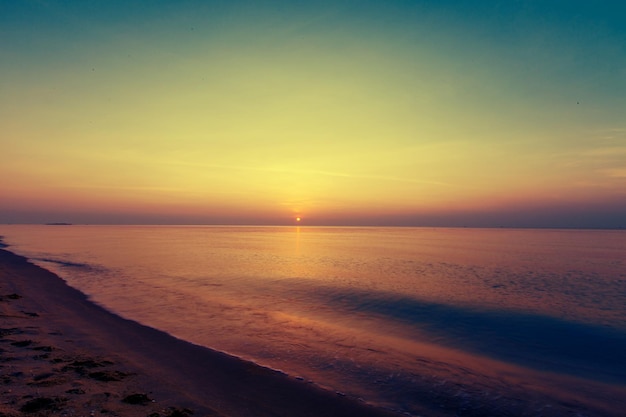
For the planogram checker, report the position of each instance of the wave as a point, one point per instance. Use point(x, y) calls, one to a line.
point(532, 340)
point(67, 263)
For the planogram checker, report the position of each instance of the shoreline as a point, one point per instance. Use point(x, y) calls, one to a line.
point(61, 353)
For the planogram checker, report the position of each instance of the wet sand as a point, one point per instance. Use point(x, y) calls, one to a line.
point(60, 354)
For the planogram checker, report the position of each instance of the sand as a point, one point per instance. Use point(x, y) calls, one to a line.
point(62, 355)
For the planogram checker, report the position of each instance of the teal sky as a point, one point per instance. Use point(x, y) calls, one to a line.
point(501, 113)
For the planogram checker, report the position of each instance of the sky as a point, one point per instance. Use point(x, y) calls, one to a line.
point(417, 113)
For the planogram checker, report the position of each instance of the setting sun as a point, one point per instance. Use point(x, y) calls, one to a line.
point(298, 219)
point(322, 108)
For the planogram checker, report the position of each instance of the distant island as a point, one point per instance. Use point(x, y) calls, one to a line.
point(58, 224)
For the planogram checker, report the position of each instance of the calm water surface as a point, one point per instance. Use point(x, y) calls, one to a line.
point(530, 321)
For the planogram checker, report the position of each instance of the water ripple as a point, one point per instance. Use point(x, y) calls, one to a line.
point(527, 339)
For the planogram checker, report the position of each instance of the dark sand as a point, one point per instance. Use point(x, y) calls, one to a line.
point(62, 355)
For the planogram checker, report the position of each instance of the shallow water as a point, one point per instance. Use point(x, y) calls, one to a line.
point(461, 319)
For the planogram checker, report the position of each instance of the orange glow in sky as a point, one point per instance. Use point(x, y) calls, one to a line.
point(378, 114)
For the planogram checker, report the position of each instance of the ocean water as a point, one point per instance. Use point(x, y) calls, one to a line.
point(458, 321)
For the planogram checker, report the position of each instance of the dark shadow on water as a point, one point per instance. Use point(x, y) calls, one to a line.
point(536, 341)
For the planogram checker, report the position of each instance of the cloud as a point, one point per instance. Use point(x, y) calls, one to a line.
point(606, 151)
point(615, 172)
point(309, 172)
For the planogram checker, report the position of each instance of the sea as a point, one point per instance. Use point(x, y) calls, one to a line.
point(446, 321)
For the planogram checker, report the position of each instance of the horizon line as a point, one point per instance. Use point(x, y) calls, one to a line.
point(318, 225)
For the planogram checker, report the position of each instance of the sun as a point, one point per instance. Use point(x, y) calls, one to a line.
point(298, 219)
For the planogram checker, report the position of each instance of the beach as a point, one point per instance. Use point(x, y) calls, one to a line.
point(61, 354)
point(230, 321)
